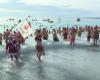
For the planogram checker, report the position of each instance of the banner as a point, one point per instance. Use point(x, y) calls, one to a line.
point(24, 28)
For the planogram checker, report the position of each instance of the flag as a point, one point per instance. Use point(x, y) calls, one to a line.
point(24, 28)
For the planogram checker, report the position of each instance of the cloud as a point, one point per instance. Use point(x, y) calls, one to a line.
point(5, 10)
point(4, 1)
point(77, 4)
point(46, 2)
point(91, 5)
point(51, 7)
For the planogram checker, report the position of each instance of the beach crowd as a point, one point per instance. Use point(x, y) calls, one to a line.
point(14, 39)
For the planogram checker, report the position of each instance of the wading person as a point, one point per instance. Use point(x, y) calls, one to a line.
point(88, 34)
point(12, 48)
point(39, 47)
point(45, 34)
point(72, 36)
point(95, 36)
point(65, 34)
point(55, 37)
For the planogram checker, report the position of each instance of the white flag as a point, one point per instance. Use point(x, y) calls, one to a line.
point(24, 28)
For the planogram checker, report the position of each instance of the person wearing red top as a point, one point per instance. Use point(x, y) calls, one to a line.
point(38, 36)
point(12, 48)
point(65, 34)
point(72, 36)
point(39, 47)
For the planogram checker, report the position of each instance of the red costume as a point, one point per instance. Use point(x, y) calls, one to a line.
point(11, 47)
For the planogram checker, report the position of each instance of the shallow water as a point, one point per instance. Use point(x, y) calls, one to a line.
point(61, 62)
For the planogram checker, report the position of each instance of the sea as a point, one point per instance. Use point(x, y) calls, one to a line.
point(56, 22)
point(61, 60)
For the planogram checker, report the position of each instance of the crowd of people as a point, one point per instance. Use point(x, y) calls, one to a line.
point(14, 39)
point(68, 34)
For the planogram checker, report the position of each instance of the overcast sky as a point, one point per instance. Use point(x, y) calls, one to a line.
point(53, 8)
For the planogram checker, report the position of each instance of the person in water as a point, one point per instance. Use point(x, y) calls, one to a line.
point(88, 34)
point(79, 32)
point(39, 47)
point(72, 36)
point(45, 34)
point(95, 35)
point(12, 47)
point(65, 34)
point(55, 37)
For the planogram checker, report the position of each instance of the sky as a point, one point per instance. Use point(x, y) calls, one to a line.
point(50, 8)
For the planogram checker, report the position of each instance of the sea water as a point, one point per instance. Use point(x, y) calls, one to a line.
point(58, 22)
point(61, 61)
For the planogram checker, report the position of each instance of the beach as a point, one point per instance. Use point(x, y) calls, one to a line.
point(49, 39)
point(61, 61)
